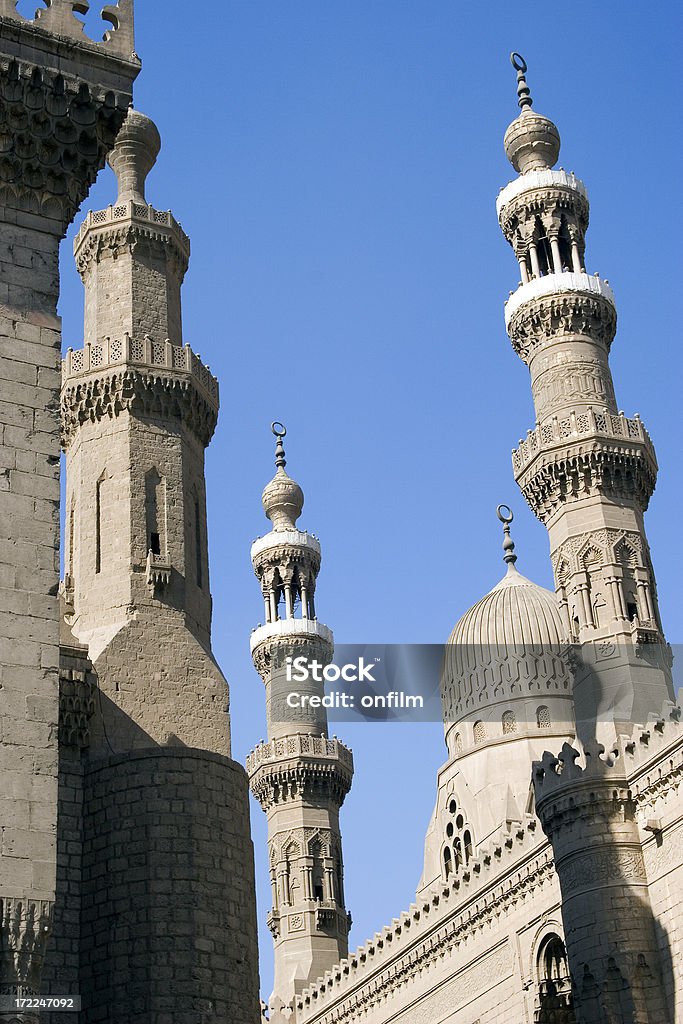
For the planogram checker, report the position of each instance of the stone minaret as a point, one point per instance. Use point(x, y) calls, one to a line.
point(586, 470)
point(138, 409)
point(300, 777)
point(156, 900)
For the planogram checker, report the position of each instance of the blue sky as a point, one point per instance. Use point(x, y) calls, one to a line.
point(336, 167)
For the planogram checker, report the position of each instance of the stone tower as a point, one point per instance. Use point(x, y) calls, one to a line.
point(300, 777)
point(63, 99)
point(586, 470)
point(156, 913)
point(138, 409)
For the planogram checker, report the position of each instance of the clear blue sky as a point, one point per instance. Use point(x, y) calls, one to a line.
point(336, 166)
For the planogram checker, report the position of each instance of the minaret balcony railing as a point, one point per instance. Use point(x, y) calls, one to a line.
point(130, 210)
point(280, 538)
point(296, 747)
point(285, 628)
point(557, 284)
point(140, 352)
point(533, 180)
point(559, 432)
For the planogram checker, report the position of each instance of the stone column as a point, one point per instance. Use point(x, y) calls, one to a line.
point(62, 102)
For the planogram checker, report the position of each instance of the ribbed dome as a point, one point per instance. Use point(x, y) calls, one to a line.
point(516, 612)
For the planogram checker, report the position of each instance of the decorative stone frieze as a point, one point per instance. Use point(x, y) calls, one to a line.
point(77, 695)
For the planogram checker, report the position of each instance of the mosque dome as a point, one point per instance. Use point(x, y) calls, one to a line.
point(503, 654)
point(282, 498)
point(516, 612)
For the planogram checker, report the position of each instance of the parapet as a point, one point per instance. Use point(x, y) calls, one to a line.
point(510, 865)
point(59, 19)
point(136, 373)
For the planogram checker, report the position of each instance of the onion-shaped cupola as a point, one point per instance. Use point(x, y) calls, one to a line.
point(504, 674)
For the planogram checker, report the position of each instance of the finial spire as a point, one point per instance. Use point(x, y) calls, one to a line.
point(504, 513)
point(523, 92)
point(282, 498)
point(280, 430)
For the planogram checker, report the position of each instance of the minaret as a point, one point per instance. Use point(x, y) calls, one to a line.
point(300, 777)
point(164, 871)
point(586, 470)
point(138, 410)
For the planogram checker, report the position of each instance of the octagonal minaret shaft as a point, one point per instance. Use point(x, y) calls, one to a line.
point(300, 777)
point(138, 411)
point(586, 470)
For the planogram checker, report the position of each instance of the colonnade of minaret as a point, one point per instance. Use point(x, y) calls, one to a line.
point(586, 470)
point(299, 776)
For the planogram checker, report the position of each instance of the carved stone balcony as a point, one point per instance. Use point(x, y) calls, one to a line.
point(588, 452)
point(291, 766)
point(299, 746)
point(533, 180)
point(138, 374)
point(129, 210)
point(280, 538)
point(558, 433)
point(158, 570)
point(290, 629)
point(553, 285)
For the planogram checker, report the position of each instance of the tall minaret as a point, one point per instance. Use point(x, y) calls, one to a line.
point(300, 777)
point(586, 470)
point(138, 410)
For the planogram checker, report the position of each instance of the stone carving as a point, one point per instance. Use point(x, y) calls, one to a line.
point(77, 689)
point(55, 129)
point(544, 319)
point(25, 925)
point(592, 868)
point(171, 394)
point(58, 18)
point(619, 471)
point(561, 386)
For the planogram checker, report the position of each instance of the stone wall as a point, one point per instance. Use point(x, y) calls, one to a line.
point(169, 918)
point(29, 552)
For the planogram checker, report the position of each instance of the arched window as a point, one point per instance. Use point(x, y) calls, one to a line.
point(509, 723)
point(318, 874)
point(458, 743)
point(553, 999)
point(447, 862)
point(543, 717)
point(479, 731)
point(467, 843)
point(155, 506)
